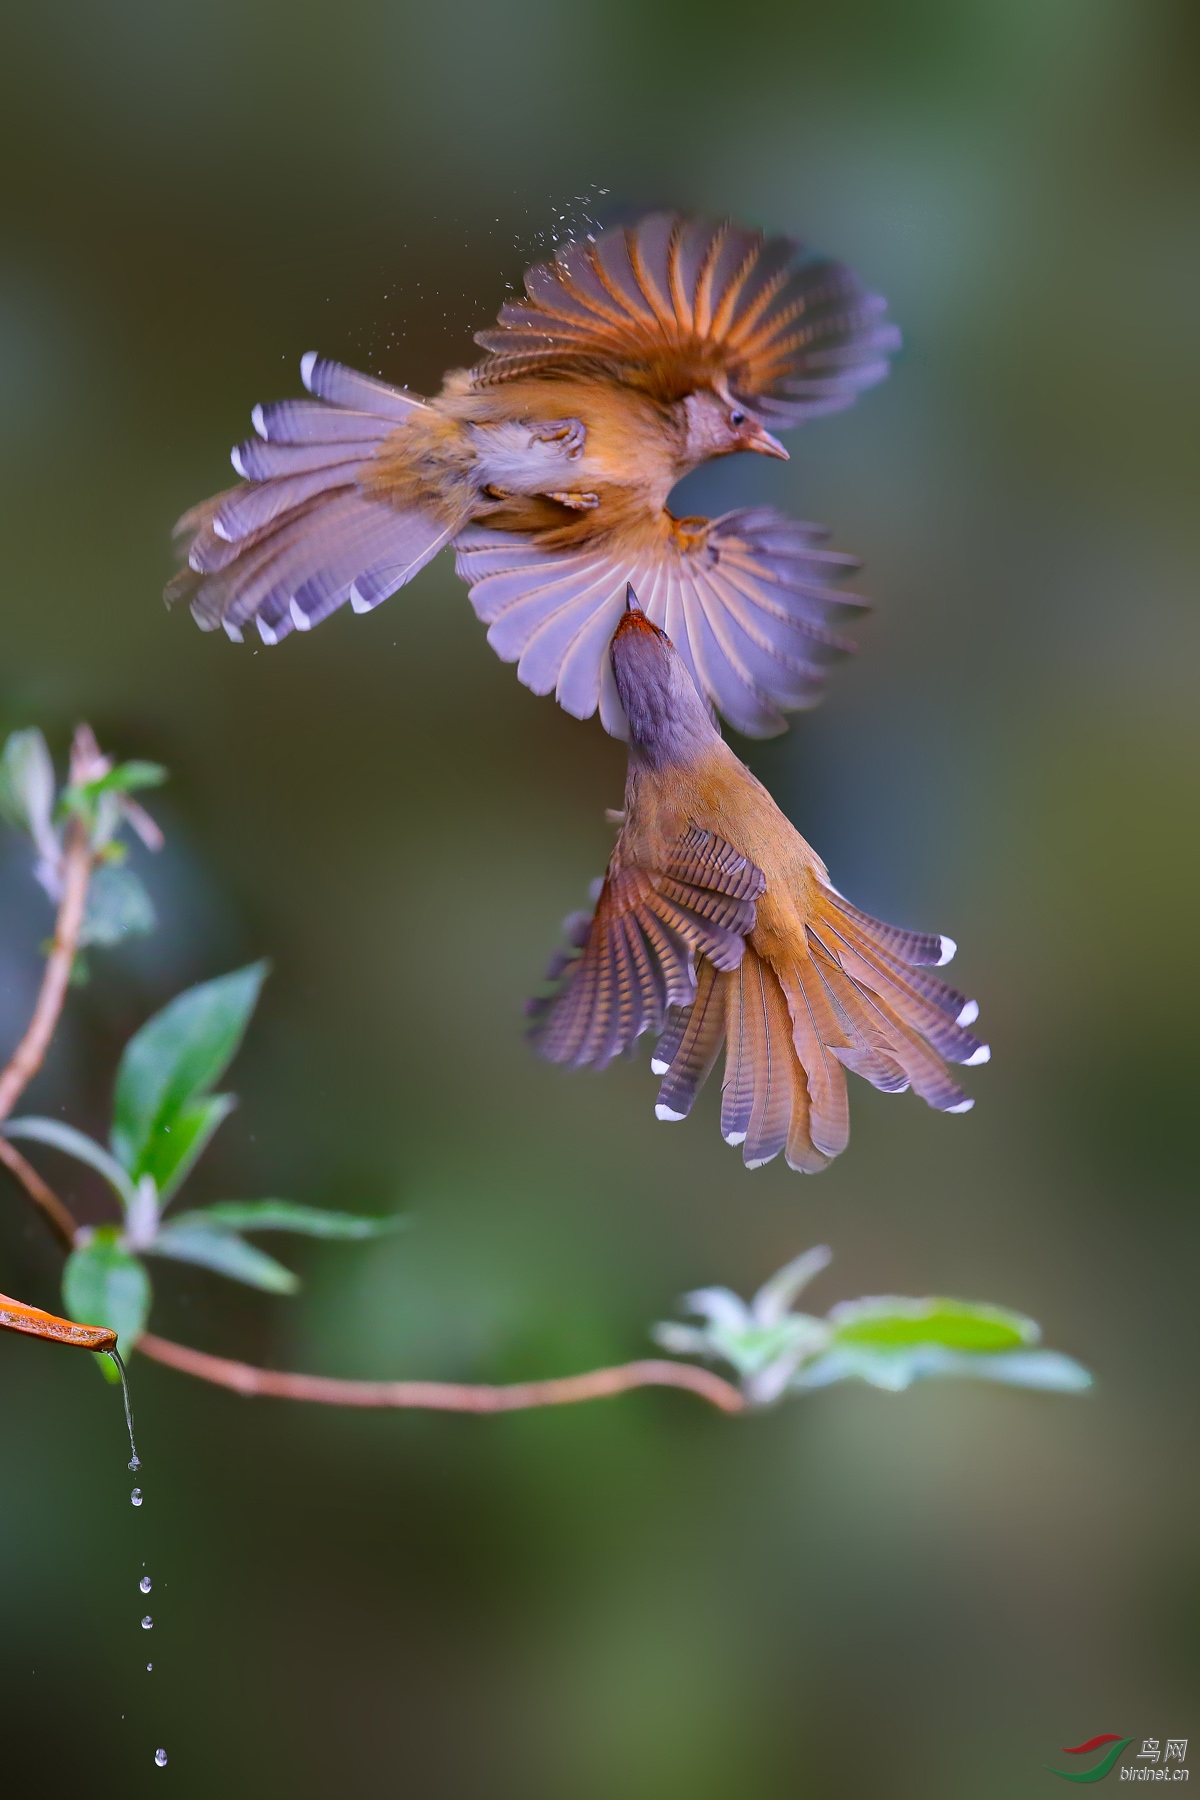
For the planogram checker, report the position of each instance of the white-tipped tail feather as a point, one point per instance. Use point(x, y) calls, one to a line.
point(299, 537)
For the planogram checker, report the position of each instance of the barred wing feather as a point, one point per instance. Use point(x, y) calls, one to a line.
point(672, 304)
point(749, 601)
point(640, 948)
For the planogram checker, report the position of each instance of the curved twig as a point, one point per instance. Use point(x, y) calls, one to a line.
point(442, 1396)
point(30, 1053)
point(40, 1192)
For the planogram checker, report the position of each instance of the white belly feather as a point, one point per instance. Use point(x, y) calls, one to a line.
point(508, 459)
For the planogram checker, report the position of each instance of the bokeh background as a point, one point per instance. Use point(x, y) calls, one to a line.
point(857, 1595)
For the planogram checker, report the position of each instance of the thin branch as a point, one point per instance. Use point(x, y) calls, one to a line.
point(442, 1396)
point(439, 1396)
point(40, 1192)
point(29, 1054)
point(244, 1378)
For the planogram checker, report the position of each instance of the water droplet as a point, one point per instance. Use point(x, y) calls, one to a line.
point(145, 1584)
point(160, 1757)
point(147, 1623)
point(136, 1497)
point(149, 1666)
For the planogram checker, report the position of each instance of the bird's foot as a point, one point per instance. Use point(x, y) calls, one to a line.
point(570, 433)
point(576, 501)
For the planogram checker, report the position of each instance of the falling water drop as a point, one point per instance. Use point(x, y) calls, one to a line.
point(145, 1584)
point(135, 1499)
point(149, 1666)
point(160, 1757)
point(147, 1623)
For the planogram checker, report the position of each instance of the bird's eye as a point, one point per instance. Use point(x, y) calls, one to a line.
point(737, 420)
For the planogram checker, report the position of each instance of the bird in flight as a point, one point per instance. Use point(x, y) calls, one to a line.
point(635, 356)
point(717, 924)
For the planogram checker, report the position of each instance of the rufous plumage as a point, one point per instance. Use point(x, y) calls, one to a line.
point(636, 356)
point(717, 924)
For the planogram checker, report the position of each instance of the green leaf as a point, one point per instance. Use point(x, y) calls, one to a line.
point(129, 775)
point(173, 1149)
point(175, 1059)
point(894, 1322)
point(27, 783)
point(83, 1148)
point(84, 797)
point(104, 1285)
point(897, 1369)
point(189, 1239)
point(118, 906)
point(288, 1215)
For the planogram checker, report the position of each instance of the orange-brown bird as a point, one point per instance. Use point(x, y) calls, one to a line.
point(717, 924)
point(636, 356)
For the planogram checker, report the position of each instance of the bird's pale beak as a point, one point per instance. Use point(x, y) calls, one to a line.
point(760, 439)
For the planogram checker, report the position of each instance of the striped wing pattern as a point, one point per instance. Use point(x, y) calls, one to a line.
point(860, 998)
point(749, 601)
point(296, 539)
point(638, 951)
point(673, 304)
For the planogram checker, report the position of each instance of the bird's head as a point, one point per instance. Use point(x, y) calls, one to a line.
point(717, 425)
point(668, 721)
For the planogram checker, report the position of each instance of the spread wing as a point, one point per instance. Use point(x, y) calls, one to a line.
point(748, 600)
point(671, 304)
point(640, 949)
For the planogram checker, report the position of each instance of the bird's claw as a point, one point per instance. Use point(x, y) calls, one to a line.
point(576, 501)
point(570, 433)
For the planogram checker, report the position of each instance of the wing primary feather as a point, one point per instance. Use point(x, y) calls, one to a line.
point(696, 1035)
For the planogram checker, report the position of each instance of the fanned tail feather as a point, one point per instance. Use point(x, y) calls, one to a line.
point(854, 996)
point(297, 539)
point(765, 1104)
point(818, 1036)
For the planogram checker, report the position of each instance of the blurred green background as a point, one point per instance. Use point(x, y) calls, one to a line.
point(857, 1595)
